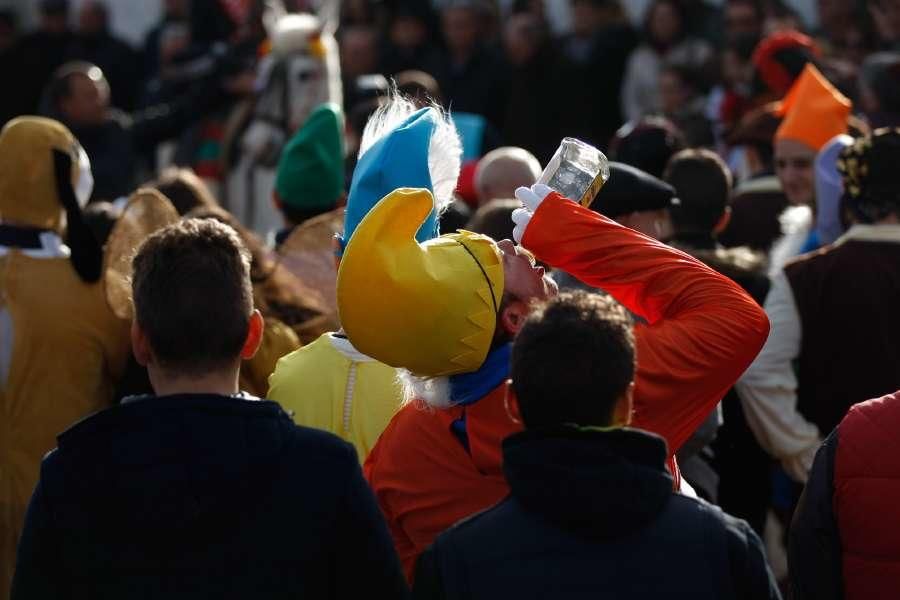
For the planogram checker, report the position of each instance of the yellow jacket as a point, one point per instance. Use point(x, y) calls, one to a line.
point(61, 351)
point(329, 385)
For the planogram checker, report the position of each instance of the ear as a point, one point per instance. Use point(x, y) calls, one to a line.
point(511, 403)
point(624, 407)
point(140, 345)
point(724, 220)
point(336, 250)
point(254, 335)
point(513, 316)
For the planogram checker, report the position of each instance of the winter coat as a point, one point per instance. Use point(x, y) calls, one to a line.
point(700, 332)
point(203, 496)
point(845, 543)
point(592, 514)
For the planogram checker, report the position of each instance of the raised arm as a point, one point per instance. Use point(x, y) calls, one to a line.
point(702, 329)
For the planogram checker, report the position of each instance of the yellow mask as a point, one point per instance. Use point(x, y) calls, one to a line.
point(430, 308)
point(28, 188)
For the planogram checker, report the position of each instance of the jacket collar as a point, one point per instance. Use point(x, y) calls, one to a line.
point(886, 233)
point(598, 483)
point(34, 243)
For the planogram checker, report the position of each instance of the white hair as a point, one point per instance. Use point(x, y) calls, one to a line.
point(433, 392)
point(444, 149)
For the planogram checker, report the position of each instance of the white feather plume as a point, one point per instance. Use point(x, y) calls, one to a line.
point(444, 149)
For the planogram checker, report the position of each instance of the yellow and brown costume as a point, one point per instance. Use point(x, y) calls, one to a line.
point(61, 347)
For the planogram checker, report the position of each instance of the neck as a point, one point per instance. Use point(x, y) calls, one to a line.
point(223, 383)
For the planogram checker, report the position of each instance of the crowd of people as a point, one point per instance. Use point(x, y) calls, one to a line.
point(289, 304)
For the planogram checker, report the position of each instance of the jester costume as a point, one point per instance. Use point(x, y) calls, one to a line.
point(329, 384)
point(436, 314)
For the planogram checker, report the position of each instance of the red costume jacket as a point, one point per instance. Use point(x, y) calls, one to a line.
point(702, 332)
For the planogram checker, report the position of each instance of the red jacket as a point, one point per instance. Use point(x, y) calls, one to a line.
point(702, 332)
point(845, 538)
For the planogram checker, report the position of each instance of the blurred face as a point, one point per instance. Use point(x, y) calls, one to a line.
point(673, 94)
point(522, 277)
point(359, 51)
point(461, 29)
point(88, 100)
point(408, 32)
point(521, 38)
point(656, 224)
point(665, 23)
point(585, 18)
point(794, 168)
point(91, 19)
point(741, 19)
point(178, 9)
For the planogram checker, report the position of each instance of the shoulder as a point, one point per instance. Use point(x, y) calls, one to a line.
point(501, 520)
point(869, 426)
point(315, 445)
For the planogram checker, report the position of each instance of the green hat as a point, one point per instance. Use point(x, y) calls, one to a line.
point(311, 168)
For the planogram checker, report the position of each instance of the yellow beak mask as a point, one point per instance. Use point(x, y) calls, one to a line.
point(430, 308)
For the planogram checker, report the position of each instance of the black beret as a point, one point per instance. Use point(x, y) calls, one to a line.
point(631, 190)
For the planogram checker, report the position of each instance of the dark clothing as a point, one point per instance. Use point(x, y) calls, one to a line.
point(530, 120)
point(591, 85)
point(744, 468)
point(203, 496)
point(755, 210)
point(31, 63)
point(592, 514)
point(846, 296)
point(120, 63)
point(843, 542)
point(479, 86)
point(117, 147)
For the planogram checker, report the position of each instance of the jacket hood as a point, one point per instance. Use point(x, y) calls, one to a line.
point(153, 466)
point(598, 484)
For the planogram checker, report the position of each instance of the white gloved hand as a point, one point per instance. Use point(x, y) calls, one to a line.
point(530, 198)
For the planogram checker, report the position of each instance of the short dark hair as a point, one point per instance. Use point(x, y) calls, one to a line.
point(184, 189)
point(572, 360)
point(702, 183)
point(494, 219)
point(192, 295)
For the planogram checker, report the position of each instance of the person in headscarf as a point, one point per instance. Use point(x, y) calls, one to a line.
point(330, 384)
point(447, 310)
point(61, 347)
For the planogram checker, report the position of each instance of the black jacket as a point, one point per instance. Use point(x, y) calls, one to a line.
point(203, 497)
point(592, 514)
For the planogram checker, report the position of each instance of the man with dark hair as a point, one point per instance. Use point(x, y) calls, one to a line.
point(200, 491)
point(79, 96)
point(879, 89)
point(703, 184)
point(590, 499)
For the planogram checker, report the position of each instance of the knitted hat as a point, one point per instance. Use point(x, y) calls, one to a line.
point(814, 110)
point(310, 174)
point(430, 308)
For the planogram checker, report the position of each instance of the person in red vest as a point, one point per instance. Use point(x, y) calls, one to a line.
point(843, 542)
point(447, 311)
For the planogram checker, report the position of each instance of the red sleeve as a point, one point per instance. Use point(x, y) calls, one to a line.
point(702, 329)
